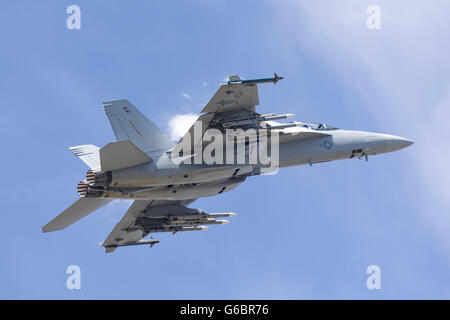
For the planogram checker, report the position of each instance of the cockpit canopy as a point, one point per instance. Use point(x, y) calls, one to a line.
point(317, 126)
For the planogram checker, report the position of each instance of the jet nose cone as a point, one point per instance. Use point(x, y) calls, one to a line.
point(394, 143)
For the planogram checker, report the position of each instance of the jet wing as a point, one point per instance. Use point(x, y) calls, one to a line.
point(233, 107)
point(233, 97)
point(233, 101)
point(149, 216)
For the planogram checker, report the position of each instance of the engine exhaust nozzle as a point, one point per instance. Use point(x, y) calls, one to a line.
point(98, 179)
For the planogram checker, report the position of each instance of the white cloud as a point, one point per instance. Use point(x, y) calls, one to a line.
point(205, 84)
point(180, 124)
point(187, 96)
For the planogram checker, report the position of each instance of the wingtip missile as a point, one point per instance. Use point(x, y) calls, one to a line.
point(236, 79)
point(276, 78)
point(111, 248)
point(153, 242)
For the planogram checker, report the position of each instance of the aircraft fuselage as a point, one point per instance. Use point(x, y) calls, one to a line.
point(162, 179)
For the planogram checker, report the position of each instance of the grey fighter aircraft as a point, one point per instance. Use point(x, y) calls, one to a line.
point(163, 177)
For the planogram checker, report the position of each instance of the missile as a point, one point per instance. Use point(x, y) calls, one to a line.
point(200, 228)
point(278, 117)
point(178, 229)
point(194, 222)
point(221, 215)
point(150, 241)
point(198, 216)
point(236, 79)
point(222, 221)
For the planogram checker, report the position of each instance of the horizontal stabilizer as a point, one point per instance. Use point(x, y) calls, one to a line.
point(81, 208)
point(88, 153)
point(123, 154)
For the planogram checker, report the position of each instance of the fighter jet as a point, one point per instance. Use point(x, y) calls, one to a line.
point(164, 177)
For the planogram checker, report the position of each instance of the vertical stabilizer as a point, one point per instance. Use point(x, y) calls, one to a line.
point(129, 123)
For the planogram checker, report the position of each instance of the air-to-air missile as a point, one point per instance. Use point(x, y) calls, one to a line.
point(236, 79)
point(150, 242)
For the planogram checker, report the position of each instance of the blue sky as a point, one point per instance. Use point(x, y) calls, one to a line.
point(305, 233)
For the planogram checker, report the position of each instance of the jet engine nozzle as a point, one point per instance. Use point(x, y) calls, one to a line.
point(90, 177)
point(98, 179)
point(82, 188)
point(85, 190)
